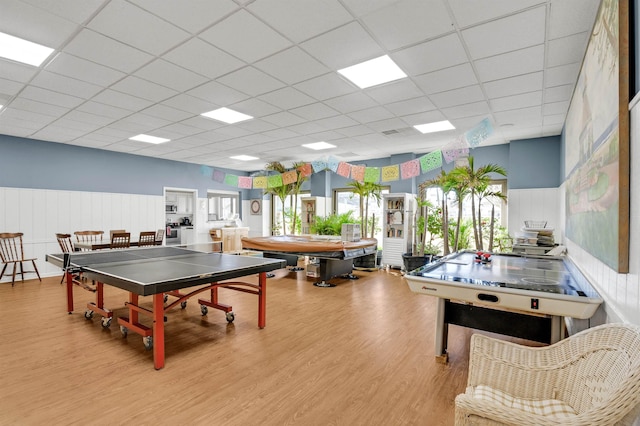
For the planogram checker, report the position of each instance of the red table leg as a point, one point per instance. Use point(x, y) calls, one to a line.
point(262, 299)
point(69, 292)
point(158, 331)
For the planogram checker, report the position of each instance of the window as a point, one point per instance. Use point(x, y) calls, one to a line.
point(222, 205)
point(344, 200)
point(276, 214)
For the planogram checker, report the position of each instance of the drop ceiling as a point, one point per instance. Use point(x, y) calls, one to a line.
point(121, 68)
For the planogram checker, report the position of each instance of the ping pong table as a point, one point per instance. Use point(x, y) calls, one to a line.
point(160, 271)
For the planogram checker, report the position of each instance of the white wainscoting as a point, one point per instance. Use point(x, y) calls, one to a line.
point(534, 204)
point(41, 213)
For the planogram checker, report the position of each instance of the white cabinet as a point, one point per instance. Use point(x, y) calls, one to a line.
point(311, 208)
point(185, 203)
point(397, 232)
point(231, 238)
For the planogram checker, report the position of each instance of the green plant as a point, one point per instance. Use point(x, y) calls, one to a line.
point(332, 224)
point(285, 190)
point(366, 190)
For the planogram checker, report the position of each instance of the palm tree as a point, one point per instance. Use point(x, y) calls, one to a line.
point(285, 190)
point(468, 181)
point(440, 182)
point(366, 190)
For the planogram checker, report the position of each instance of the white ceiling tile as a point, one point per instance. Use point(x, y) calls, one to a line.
point(69, 9)
point(408, 22)
point(497, 37)
point(363, 7)
point(245, 37)
point(79, 127)
point(558, 93)
point(565, 74)
point(121, 100)
point(190, 104)
point(203, 58)
point(8, 88)
point(170, 75)
point(17, 72)
point(34, 24)
point(424, 117)
point(287, 98)
point(85, 117)
point(38, 107)
point(315, 111)
point(523, 100)
point(167, 112)
point(302, 20)
point(72, 66)
point(326, 86)
point(352, 102)
point(398, 90)
point(344, 46)
point(455, 97)
point(411, 106)
point(549, 120)
point(191, 15)
point(291, 66)
point(217, 94)
point(567, 50)
point(353, 131)
point(447, 79)
point(384, 125)
point(468, 13)
point(144, 89)
point(282, 133)
point(182, 129)
point(307, 128)
point(103, 50)
point(137, 28)
point(254, 107)
point(104, 110)
point(283, 119)
point(256, 126)
point(58, 134)
point(525, 116)
point(251, 81)
point(202, 122)
point(65, 85)
point(432, 55)
point(50, 97)
point(554, 108)
point(571, 16)
point(514, 85)
point(336, 122)
point(523, 61)
point(31, 119)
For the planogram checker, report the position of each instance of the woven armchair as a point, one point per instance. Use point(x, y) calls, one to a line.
point(590, 378)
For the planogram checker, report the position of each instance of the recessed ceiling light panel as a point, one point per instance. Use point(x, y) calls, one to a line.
point(373, 72)
point(318, 145)
point(227, 115)
point(244, 158)
point(148, 139)
point(438, 126)
point(24, 51)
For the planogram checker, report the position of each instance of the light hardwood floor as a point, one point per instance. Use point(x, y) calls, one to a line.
point(357, 354)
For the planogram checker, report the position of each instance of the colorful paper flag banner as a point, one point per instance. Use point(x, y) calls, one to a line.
point(372, 174)
point(231, 180)
point(390, 173)
point(431, 161)
point(318, 166)
point(244, 182)
point(218, 176)
point(332, 164)
point(206, 170)
point(274, 181)
point(455, 149)
point(260, 182)
point(479, 133)
point(357, 172)
point(305, 169)
point(344, 169)
point(289, 177)
point(410, 169)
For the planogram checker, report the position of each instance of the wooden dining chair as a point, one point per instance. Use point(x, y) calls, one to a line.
point(12, 252)
point(120, 240)
point(116, 231)
point(66, 245)
point(160, 236)
point(90, 237)
point(147, 238)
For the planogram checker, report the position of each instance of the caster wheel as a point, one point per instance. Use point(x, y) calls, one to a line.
point(230, 316)
point(147, 341)
point(204, 309)
point(124, 330)
point(106, 322)
point(183, 304)
point(88, 314)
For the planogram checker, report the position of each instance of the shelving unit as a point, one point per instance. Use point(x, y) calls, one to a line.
point(311, 207)
point(398, 212)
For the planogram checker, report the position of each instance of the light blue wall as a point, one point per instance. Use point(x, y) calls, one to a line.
point(27, 163)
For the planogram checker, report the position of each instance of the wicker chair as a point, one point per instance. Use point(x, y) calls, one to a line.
point(590, 378)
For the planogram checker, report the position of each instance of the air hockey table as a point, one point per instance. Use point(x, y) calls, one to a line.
point(516, 295)
point(335, 257)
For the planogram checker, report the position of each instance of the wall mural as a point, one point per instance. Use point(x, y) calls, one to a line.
point(597, 143)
